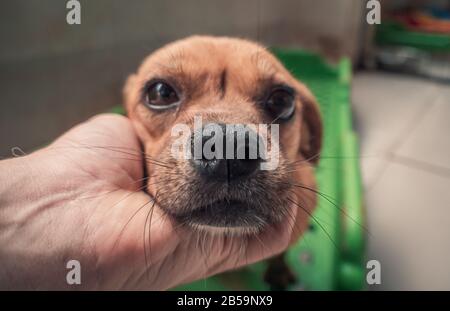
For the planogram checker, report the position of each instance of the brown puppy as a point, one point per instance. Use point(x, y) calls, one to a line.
point(225, 81)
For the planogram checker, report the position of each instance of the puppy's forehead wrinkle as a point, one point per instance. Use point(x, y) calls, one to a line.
point(223, 83)
point(202, 54)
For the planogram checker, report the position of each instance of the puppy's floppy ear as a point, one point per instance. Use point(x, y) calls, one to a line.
point(311, 130)
point(130, 92)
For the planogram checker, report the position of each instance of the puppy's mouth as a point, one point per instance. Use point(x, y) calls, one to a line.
point(225, 213)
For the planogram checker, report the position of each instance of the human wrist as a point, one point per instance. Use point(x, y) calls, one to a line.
point(28, 259)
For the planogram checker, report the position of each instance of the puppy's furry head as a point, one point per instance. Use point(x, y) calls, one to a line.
point(224, 81)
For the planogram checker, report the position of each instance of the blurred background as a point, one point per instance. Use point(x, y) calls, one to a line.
point(54, 75)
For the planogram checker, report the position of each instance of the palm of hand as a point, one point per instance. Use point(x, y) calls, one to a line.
point(89, 206)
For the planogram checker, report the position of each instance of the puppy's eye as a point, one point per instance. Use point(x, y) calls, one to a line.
point(161, 95)
point(281, 104)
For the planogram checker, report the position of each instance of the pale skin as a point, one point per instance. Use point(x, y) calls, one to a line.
point(81, 198)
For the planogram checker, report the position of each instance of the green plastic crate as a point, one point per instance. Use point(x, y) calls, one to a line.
point(394, 34)
point(321, 261)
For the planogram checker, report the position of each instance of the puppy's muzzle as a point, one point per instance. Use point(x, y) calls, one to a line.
point(227, 189)
point(224, 153)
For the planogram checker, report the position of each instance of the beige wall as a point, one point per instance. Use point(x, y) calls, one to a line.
point(34, 28)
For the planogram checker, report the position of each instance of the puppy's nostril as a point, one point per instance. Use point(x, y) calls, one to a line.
point(228, 155)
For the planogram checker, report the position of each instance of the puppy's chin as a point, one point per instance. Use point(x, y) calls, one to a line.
point(226, 231)
point(228, 218)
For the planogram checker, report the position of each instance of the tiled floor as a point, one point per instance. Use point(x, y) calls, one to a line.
point(404, 126)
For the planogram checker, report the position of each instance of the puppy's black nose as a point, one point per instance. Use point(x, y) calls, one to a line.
point(226, 153)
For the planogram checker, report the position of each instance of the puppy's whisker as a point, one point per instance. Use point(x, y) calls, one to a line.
point(137, 155)
point(149, 228)
point(243, 250)
point(326, 222)
point(276, 119)
point(149, 219)
point(205, 252)
point(298, 169)
point(144, 239)
point(292, 221)
point(115, 190)
point(313, 157)
point(130, 151)
point(138, 190)
point(329, 200)
point(181, 193)
point(315, 220)
point(325, 196)
point(323, 157)
point(128, 221)
point(266, 249)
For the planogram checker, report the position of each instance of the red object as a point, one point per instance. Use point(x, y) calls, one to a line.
point(422, 21)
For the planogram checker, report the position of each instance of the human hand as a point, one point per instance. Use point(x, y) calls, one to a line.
point(82, 198)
